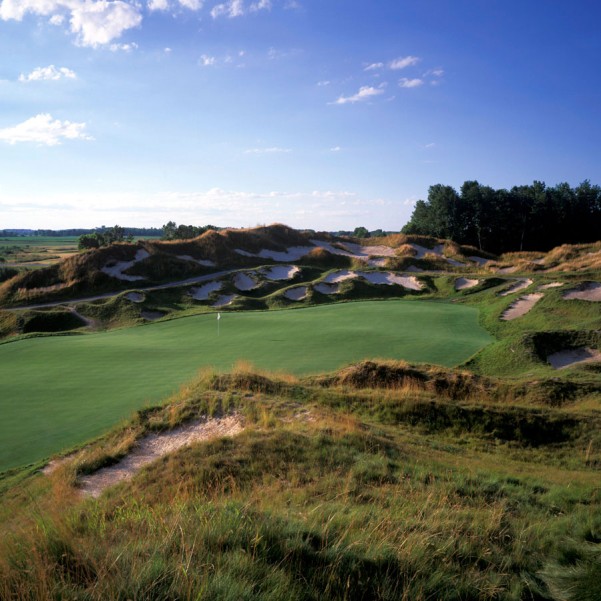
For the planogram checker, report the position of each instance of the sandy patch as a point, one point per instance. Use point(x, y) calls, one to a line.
point(465, 283)
point(116, 270)
point(414, 269)
point(521, 306)
point(296, 294)
point(152, 315)
point(422, 251)
point(327, 288)
point(135, 297)
point(203, 262)
point(576, 356)
point(510, 269)
point(551, 285)
point(519, 285)
point(480, 260)
point(588, 292)
point(339, 276)
point(293, 253)
point(389, 279)
point(369, 251)
point(156, 445)
point(224, 299)
point(243, 281)
point(378, 262)
point(281, 272)
point(202, 293)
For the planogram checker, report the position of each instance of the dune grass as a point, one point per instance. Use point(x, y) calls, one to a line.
point(59, 391)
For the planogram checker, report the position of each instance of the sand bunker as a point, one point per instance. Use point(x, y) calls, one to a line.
point(519, 285)
point(414, 269)
point(281, 272)
point(390, 279)
point(135, 297)
point(224, 299)
point(296, 294)
point(156, 445)
point(510, 269)
point(339, 276)
point(521, 306)
point(293, 253)
point(203, 292)
point(116, 270)
point(152, 315)
point(551, 285)
point(203, 262)
point(465, 283)
point(479, 260)
point(327, 288)
point(380, 262)
point(576, 356)
point(590, 291)
point(244, 281)
point(422, 251)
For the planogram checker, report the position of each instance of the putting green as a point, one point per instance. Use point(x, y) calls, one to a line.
point(59, 391)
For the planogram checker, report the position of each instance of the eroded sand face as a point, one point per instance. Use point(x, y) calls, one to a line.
point(339, 276)
point(244, 281)
point(202, 293)
point(550, 285)
point(327, 288)
point(521, 306)
point(465, 283)
point(387, 278)
point(519, 285)
point(224, 300)
point(588, 292)
point(296, 294)
point(281, 272)
point(135, 297)
point(116, 270)
point(570, 357)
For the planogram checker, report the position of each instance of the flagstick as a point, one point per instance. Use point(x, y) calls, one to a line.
point(218, 320)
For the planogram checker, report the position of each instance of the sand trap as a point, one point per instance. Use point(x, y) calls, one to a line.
point(414, 269)
point(369, 251)
point(281, 272)
point(296, 294)
point(576, 356)
point(203, 292)
point(243, 281)
point(326, 288)
point(521, 306)
point(339, 276)
point(551, 285)
point(590, 291)
point(135, 297)
point(381, 262)
point(156, 445)
point(519, 285)
point(465, 283)
point(480, 260)
point(510, 269)
point(389, 279)
point(152, 315)
point(224, 299)
point(203, 262)
point(116, 270)
point(293, 253)
point(422, 251)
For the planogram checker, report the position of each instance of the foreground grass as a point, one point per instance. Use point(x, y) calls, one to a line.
point(316, 499)
point(56, 392)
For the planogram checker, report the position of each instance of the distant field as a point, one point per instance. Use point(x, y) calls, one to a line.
point(35, 251)
point(59, 391)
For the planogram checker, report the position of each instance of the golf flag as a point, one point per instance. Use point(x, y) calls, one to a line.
point(218, 316)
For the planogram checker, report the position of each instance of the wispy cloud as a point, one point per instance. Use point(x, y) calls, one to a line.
point(364, 93)
point(123, 47)
point(335, 149)
point(374, 67)
point(404, 82)
point(50, 73)
point(403, 62)
point(43, 129)
point(207, 61)
point(231, 9)
point(268, 150)
point(158, 5)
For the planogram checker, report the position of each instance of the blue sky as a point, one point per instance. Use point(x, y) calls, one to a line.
point(327, 114)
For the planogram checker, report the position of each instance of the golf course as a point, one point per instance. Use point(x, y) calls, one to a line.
point(58, 391)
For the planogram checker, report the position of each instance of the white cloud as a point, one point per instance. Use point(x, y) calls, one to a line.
point(207, 61)
point(191, 4)
point(51, 73)
point(268, 150)
point(323, 83)
point(335, 149)
point(260, 5)
point(123, 47)
point(403, 62)
point(430, 145)
point(94, 22)
point(364, 93)
point(410, 83)
point(158, 5)
point(43, 129)
point(374, 67)
point(231, 9)
point(437, 72)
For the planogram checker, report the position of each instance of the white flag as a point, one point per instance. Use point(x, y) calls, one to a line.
point(218, 315)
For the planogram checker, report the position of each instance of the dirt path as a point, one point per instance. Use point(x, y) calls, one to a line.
point(156, 445)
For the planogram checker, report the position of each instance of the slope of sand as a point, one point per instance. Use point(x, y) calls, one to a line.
point(479, 260)
point(203, 262)
point(465, 283)
point(296, 294)
point(116, 270)
point(519, 285)
point(224, 299)
point(389, 279)
point(203, 292)
point(244, 281)
point(281, 272)
point(588, 292)
point(326, 288)
point(156, 445)
point(521, 306)
point(339, 276)
point(135, 297)
point(570, 357)
point(550, 285)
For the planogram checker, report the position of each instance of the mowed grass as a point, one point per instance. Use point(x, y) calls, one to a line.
point(57, 392)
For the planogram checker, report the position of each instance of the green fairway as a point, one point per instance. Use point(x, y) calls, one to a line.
point(59, 391)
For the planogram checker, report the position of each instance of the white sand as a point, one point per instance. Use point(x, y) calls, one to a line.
point(203, 292)
point(152, 315)
point(135, 297)
point(551, 285)
point(519, 285)
point(116, 270)
point(369, 251)
point(224, 299)
point(521, 306)
point(588, 292)
point(480, 260)
point(378, 262)
point(465, 283)
point(339, 276)
point(296, 294)
point(510, 269)
point(203, 262)
point(422, 251)
point(326, 288)
point(570, 357)
point(281, 272)
point(389, 279)
point(291, 254)
point(243, 281)
point(156, 445)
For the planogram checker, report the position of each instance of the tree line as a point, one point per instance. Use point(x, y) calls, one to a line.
point(531, 217)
